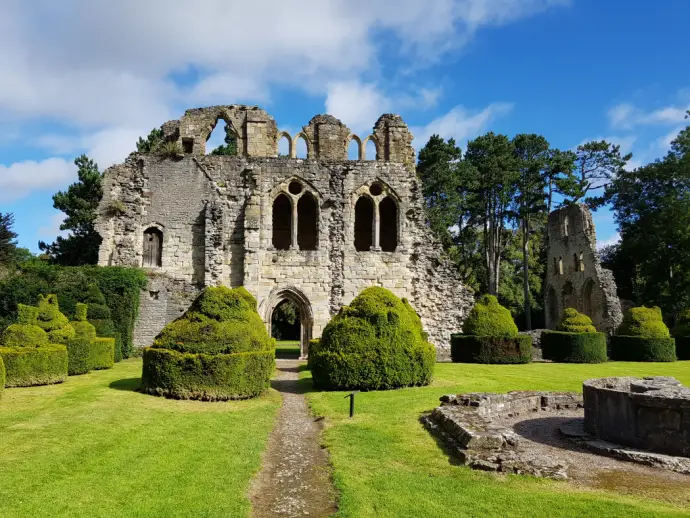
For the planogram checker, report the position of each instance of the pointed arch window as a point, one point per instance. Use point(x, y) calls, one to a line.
point(376, 221)
point(282, 223)
point(295, 219)
point(364, 224)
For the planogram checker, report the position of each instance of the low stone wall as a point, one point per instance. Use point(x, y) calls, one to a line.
point(650, 413)
point(465, 422)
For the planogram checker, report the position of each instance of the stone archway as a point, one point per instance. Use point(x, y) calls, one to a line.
point(306, 314)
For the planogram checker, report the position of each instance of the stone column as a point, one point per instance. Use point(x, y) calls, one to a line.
point(293, 241)
point(377, 229)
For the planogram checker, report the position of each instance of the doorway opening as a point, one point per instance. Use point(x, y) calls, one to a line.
point(289, 317)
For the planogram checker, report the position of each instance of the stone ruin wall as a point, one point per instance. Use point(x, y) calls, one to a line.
point(215, 215)
point(574, 276)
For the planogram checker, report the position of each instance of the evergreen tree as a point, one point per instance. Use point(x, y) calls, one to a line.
point(79, 202)
point(154, 139)
point(230, 147)
point(8, 243)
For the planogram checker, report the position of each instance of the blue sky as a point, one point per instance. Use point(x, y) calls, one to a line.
point(90, 77)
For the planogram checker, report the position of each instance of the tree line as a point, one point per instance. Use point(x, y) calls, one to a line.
point(489, 205)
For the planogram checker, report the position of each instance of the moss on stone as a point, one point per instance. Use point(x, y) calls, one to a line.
point(489, 318)
point(377, 342)
point(575, 322)
point(644, 322)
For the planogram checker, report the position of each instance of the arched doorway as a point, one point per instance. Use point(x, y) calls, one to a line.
point(304, 317)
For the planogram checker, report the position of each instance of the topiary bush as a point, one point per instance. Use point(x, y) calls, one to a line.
point(643, 337)
point(2, 376)
point(490, 336)
point(52, 321)
point(100, 317)
point(575, 340)
point(375, 343)
point(79, 348)
point(489, 318)
point(27, 355)
point(219, 349)
point(102, 354)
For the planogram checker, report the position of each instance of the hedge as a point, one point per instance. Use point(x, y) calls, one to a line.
point(27, 366)
point(490, 349)
point(683, 347)
point(566, 347)
point(375, 343)
point(219, 349)
point(120, 286)
point(79, 352)
point(642, 349)
point(2, 376)
point(208, 377)
point(102, 354)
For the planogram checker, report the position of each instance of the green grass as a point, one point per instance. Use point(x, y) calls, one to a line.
point(288, 349)
point(92, 446)
point(387, 465)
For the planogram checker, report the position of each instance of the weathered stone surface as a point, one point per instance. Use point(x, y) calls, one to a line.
point(465, 422)
point(215, 214)
point(574, 276)
point(651, 414)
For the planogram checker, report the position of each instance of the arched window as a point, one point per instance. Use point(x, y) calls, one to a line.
point(354, 148)
point(301, 148)
point(566, 226)
point(587, 294)
point(222, 140)
point(364, 224)
point(568, 296)
point(307, 222)
point(560, 266)
point(388, 214)
point(582, 262)
point(153, 248)
point(282, 223)
point(576, 263)
point(370, 150)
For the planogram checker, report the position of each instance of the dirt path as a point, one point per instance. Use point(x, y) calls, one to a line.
point(295, 478)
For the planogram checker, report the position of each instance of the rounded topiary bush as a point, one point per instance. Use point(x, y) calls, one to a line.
point(219, 349)
point(490, 336)
point(575, 340)
point(681, 332)
point(102, 354)
point(29, 358)
point(52, 321)
point(643, 337)
point(375, 343)
point(79, 348)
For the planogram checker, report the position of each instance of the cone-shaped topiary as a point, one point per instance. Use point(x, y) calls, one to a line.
point(574, 322)
point(644, 322)
point(489, 318)
point(52, 321)
point(377, 342)
point(219, 349)
point(100, 317)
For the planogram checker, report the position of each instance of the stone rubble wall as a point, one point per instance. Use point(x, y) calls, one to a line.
point(215, 213)
point(582, 284)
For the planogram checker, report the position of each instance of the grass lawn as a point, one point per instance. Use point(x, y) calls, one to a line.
point(288, 349)
point(92, 446)
point(387, 465)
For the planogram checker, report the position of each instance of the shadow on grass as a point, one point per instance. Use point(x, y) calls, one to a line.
point(452, 457)
point(128, 384)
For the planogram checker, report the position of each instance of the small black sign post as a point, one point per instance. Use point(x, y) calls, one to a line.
point(351, 395)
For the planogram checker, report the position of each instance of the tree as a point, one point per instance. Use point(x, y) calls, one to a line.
point(597, 163)
point(560, 176)
point(154, 139)
point(490, 174)
point(230, 147)
point(8, 243)
point(532, 155)
point(79, 203)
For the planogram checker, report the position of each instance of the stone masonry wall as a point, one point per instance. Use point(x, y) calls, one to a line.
point(216, 217)
point(574, 276)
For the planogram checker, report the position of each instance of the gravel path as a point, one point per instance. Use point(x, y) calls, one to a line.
point(295, 478)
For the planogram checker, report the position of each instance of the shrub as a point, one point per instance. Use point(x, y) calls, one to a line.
point(644, 322)
point(29, 366)
point(102, 353)
point(2, 376)
point(377, 342)
point(642, 349)
point(489, 318)
point(682, 327)
point(79, 353)
point(491, 349)
point(24, 335)
point(574, 322)
point(574, 347)
point(120, 287)
point(100, 318)
point(219, 349)
point(52, 321)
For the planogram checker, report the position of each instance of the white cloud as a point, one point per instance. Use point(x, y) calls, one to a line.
point(628, 116)
point(21, 178)
point(357, 104)
point(51, 229)
point(460, 123)
point(611, 240)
